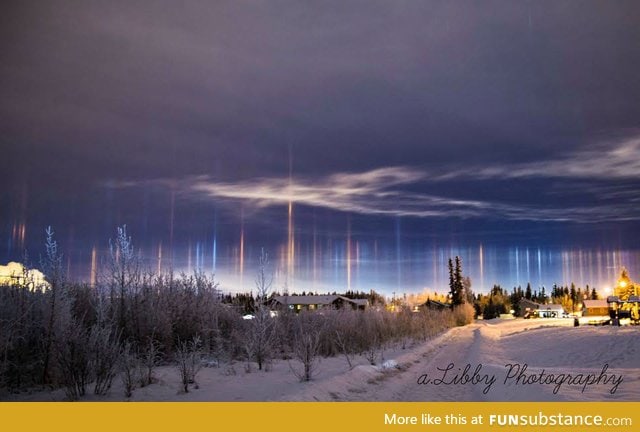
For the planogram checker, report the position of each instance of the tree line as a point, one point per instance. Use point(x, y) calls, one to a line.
point(78, 337)
point(500, 301)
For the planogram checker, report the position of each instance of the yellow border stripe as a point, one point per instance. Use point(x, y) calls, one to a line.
point(301, 416)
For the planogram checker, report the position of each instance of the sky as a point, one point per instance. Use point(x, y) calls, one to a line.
point(360, 143)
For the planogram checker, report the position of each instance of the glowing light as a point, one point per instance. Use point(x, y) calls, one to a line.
point(349, 255)
point(94, 269)
point(481, 260)
point(622, 284)
point(357, 271)
point(241, 255)
point(291, 250)
point(315, 254)
point(214, 252)
point(198, 256)
point(18, 234)
point(517, 267)
point(398, 255)
point(15, 274)
point(159, 257)
point(539, 267)
point(171, 220)
point(528, 270)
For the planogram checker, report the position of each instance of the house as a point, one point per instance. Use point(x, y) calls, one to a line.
point(316, 302)
point(595, 308)
point(528, 308)
point(360, 304)
point(531, 309)
point(551, 311)
point(432, 305)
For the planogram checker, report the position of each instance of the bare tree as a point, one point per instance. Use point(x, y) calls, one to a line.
point(306, 344)
point(73, 358)
point(149, 359)
point(260, 336)
point(22, 320)
point(403, 327)
point(124, 276)
point(129, 364)
point(104, 343)
point(52, 267)
point(345, 337)
point(11, 322)
point(189, 357)
point(371, 336)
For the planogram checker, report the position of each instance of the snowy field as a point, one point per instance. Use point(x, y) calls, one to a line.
point(497, 360)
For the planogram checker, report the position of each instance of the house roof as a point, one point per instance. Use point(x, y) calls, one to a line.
point(551, 307)
point(530, 303)
point(542, 307)
point(310, 299)
point(596, 304)
point(436, 303)
point(360, 302)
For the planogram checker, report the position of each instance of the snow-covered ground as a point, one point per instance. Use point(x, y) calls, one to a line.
point(580, 363)
point(545, 346)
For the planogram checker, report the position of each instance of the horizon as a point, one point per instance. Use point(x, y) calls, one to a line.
point(389, 272)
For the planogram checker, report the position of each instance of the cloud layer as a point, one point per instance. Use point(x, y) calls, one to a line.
point(391, 190)
point(614, 161)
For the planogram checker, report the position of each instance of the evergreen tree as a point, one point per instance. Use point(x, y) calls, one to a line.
point(456, 284)
point(573, 296)
point(543, 296)
point(579, 296)
point(452, 282)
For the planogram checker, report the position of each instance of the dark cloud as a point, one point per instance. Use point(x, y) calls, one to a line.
point(513, 111)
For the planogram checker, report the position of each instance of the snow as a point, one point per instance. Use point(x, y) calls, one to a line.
point(549, 347)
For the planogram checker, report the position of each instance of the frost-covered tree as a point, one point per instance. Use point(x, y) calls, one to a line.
point(260, 336)
point(307, 334)
point(56, 297)
point(467, 292)
point(124, 276)
point(189, 357)
point(346, 334)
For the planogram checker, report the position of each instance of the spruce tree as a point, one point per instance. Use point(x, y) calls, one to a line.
point(455, 282)
point(452, 282)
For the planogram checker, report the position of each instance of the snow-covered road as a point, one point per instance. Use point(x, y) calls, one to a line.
point(509, 360)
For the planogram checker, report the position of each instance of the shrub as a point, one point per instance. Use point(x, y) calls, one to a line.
point(463, 314)
point(189, 358)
